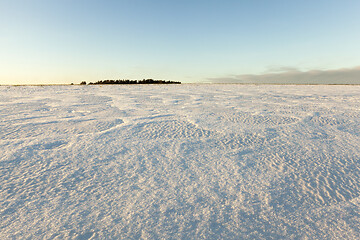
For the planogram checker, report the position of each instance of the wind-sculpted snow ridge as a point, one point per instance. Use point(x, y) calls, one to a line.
point(180, 162)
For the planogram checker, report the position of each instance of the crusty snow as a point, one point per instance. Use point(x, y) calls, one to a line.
point(183, 161)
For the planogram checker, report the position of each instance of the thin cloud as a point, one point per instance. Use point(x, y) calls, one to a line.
point(294, 76)
point(278, 69)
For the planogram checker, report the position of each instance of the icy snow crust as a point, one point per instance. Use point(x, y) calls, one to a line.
point(180, 162)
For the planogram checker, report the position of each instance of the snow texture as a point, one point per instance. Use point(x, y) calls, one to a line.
point(180, 162)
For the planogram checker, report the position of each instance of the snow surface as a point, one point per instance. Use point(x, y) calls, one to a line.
point(180, 162)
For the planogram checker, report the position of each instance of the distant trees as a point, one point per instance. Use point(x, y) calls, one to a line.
point(83, 83)
point(144, 81)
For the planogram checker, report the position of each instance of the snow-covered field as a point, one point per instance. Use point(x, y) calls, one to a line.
point(180, 162)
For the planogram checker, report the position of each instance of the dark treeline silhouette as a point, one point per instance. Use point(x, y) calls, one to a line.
point(144, 81)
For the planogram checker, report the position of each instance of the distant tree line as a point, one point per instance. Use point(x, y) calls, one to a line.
point(127, 81)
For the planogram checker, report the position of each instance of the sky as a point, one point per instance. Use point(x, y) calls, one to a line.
point(270, 41)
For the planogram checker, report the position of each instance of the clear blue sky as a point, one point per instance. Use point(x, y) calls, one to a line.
point(64, 41)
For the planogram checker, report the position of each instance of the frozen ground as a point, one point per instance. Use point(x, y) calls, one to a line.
point(180, 162)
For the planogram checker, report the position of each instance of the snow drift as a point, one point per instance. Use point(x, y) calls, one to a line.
point(180, 162)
